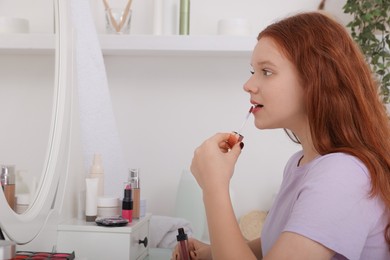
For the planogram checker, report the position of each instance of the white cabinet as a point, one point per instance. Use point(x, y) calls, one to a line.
point(92, 242)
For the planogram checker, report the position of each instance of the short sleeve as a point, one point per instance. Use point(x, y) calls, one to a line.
point(333, 207)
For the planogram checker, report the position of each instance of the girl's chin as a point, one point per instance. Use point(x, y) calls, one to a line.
point(263, 126)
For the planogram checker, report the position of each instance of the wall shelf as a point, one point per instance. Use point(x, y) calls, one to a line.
point(137, 45)
point(176, 45)
point(27, 43)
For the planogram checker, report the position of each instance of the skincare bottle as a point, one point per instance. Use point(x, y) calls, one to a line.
point(8, 184)
point(183, 241)
point(91, 199)
point(135, 186)
point(184, 21)
point(97, 171)
point(127, 203)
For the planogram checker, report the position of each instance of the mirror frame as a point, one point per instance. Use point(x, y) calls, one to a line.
point(47, 204)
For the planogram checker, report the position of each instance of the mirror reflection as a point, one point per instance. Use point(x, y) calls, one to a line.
point(27, 94)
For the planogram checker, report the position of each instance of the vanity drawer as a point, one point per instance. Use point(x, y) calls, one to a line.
point(93, 242)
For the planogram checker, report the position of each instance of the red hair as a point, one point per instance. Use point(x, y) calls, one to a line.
point(343, 106)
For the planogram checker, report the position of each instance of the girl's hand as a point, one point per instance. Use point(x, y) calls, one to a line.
point(198, 250)
point(213, 162)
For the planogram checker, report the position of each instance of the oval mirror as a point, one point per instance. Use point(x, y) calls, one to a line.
point(35, 112)
point(27, 89)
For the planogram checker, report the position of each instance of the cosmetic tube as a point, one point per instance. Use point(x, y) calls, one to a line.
point(184, 21)
point(183, 241)
point(135, 187)
point(127, 203)
point(234, 138)
point(8, 184)
point(91, 199)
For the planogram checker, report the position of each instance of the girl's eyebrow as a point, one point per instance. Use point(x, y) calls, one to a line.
point(266, 62)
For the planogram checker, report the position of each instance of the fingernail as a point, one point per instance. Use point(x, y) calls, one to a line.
point(241, 145)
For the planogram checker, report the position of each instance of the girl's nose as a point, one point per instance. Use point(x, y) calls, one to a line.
point(249, 86)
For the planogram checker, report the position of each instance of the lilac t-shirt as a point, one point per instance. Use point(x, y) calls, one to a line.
point(327, 200)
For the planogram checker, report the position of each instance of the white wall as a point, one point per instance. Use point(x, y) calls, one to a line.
point(165, 111)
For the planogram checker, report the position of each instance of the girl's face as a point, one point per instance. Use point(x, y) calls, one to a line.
point(275, 89)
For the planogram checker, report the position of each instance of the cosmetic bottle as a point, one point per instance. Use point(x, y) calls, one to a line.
point(135, 187)
point(183, 241)
point(127, 203)
point(91, 199)
point(8, 184)
point(184, 21)
point(97, 171)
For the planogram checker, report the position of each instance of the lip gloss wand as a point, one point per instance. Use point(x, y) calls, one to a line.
point(236, 137)
point(182, 238)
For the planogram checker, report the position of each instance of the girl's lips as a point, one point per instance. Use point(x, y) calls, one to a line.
point(257, 108)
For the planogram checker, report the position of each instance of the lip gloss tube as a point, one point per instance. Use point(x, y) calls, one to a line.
point(234, 138)
point(183, 241)
point(127, 203)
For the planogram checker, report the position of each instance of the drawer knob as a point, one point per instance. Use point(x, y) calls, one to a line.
point(145, 241)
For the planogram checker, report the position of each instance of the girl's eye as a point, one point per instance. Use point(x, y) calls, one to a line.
point(267, 73)
point(252, 71)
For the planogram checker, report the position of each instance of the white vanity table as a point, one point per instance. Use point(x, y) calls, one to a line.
point(90, 241)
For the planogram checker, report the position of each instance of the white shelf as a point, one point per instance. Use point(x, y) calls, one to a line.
point(151, 45)
point(137, 45)
point(27, 43)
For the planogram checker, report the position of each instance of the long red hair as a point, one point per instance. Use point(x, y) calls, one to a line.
point(344, 109)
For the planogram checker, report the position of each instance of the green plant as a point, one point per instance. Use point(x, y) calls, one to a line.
point(370, 26)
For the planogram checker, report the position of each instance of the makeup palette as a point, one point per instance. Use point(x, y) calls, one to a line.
point(43, 255)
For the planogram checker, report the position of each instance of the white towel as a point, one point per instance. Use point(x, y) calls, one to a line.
point(164, 229)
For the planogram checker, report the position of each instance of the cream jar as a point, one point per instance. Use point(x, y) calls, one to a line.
point(108, 207)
